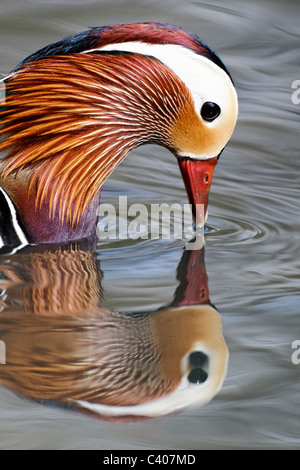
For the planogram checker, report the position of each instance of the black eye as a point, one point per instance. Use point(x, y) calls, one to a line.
point(210, 111)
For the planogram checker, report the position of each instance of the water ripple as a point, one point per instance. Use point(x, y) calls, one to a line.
point(234, 230)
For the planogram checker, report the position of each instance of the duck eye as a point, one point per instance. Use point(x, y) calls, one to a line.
point(210, 111)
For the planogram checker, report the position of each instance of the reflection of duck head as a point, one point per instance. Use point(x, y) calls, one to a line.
point(75, 109)
point(110, 364)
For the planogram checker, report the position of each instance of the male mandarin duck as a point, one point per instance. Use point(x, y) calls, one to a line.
point(72, 111)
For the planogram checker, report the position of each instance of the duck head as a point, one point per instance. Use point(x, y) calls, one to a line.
point(75, 109)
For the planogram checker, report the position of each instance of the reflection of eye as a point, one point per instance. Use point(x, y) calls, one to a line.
point(197, 376)
point(198, 363)
point(210, 111)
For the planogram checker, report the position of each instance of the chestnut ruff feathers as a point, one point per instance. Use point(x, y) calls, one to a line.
point(72, 119)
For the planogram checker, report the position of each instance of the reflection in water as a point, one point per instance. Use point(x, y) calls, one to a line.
point(63, 348)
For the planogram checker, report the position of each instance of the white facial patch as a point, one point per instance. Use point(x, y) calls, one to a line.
point(205, 80)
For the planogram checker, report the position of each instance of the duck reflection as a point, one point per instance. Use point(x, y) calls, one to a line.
point(62, 347)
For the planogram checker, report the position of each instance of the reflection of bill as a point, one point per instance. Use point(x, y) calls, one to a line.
point(63, 347)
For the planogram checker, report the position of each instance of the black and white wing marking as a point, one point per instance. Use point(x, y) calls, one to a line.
point(11, 231)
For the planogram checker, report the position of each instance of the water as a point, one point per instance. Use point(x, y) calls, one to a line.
point(251, 258)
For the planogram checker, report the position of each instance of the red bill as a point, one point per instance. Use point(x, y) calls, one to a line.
point(197, 177)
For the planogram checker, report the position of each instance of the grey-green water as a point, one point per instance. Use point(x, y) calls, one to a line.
point(252, 241)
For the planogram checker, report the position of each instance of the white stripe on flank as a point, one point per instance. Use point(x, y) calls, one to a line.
point(13, 213)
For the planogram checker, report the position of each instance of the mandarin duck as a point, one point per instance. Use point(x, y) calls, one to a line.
point(71, 112)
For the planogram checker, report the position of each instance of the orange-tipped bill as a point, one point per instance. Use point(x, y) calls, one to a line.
point(197, 177)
